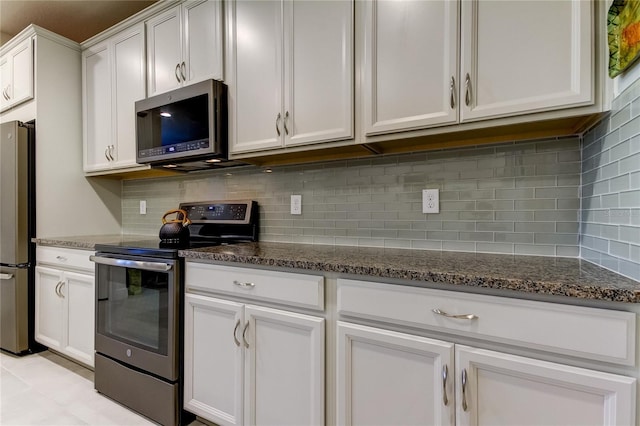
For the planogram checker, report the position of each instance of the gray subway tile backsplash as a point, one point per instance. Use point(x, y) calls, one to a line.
point(610, 162)
point(492, 198)
point(553, 197)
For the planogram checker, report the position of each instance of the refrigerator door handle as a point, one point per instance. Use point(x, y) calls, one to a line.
point(6, 276)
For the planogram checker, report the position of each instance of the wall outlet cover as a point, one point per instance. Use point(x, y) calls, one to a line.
point(430, 201)
point(296, 204)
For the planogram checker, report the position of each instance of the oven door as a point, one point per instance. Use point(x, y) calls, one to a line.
point(137, 311)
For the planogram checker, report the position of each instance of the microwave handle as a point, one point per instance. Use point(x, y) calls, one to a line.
point(124, 263)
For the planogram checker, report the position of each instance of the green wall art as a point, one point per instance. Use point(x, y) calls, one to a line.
point(623, 29)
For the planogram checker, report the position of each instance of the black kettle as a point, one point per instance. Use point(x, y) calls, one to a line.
point(175, 230)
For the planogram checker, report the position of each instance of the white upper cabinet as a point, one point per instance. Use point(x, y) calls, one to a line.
point(291, 68)
point(16, 75)
point(113, 80)
point(184, 45)
point(525, 56)
point(422, 69)
point(410, 62)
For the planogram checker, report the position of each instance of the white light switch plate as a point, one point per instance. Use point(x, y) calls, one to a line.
point(296, 204)
point(143, 207)
point(430, 201)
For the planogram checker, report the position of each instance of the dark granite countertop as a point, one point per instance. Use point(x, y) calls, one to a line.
point(528, 274)
point(531, 274)
point(88, 242)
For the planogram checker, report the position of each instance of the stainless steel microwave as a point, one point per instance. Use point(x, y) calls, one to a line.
point(186, 125)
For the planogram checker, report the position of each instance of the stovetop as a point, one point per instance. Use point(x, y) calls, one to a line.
point(213, 223)
point(157, 248)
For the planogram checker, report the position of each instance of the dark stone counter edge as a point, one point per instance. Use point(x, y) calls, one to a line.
point(611, 294)
point(581, 291)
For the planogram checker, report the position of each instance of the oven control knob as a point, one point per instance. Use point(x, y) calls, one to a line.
point(129, 353)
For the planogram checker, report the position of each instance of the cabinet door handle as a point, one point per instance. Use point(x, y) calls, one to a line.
point(286, 118)
point(111, 149)
point(183, 71)
point(445, 376)
point(176, 72)
point(464, 389)
point(61, 285)
point(57, 290)
point(4, 93)
point(463, 316)
point(106, 154)
point(244, 338)
point(235, 339)
point(277, 123)
point(452, 93)
point(467, 88)
point(239, 284)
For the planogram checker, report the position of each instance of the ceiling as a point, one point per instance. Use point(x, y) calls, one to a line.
point(77, 20)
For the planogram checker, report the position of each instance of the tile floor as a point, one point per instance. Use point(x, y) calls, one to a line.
point(47, 389)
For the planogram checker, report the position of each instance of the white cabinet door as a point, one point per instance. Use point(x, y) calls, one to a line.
point(202, 40)
point(16, 76)
point(318, 71)
point(184, 45)
point(257, 104)
point(78, 292)
point(128, 83)
point(96, 107)
point(506, 390)
point(49, 307)
point(22, 89)
point(390, 378)
point(213, 367)
point(164, 54)
point(284, 368)
point(5, 81)
point(292, 67)
point(410, 60)
point(512, 65)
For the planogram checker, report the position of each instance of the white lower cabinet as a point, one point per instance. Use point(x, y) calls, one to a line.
point(250, 364)
point(398, 377)
point(65, 315)
point(495, 388)
point(391, 378)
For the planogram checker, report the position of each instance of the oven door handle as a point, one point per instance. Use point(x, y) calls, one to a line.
point(124, 263)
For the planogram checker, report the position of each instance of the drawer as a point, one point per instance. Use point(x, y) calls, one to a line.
point(591, 333)
point(302, 290)
point(65, 257)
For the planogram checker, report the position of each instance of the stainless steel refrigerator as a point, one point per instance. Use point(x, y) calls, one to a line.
point(17, 228)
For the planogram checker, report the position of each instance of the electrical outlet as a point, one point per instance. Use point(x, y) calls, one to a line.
point(296, 204)
point(143, 207)
point(430, 201)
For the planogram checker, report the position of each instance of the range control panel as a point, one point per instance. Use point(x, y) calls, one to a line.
point(228, 212)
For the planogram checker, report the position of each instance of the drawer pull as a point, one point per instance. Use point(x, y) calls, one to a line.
point(61, 258)
point(464, 316)
point(464, 389)
point(239, 284)
point(445, 375)
point(235, 339)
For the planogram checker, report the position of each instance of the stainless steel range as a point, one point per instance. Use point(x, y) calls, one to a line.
point(139, 309)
